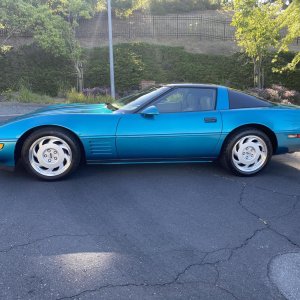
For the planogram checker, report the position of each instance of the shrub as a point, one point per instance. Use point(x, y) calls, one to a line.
point(38, 70)
point(74, 97)
point(163, 7)
point(96, 91)
point(45, 74)
point(278, 93)
point(25, 95)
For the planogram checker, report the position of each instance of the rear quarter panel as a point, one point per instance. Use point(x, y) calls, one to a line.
point(281, 120)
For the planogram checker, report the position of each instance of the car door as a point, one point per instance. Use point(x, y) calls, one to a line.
point(187, 127)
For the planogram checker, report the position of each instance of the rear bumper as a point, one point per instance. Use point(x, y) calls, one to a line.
point(286, 144)
point(7, 155)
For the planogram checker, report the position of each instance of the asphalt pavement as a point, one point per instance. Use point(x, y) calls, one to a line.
point(190, 231)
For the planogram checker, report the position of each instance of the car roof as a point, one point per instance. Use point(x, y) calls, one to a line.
point(193, 85)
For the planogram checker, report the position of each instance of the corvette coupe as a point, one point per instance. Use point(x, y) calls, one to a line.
point(171, 123)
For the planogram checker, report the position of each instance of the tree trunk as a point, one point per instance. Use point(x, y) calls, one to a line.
point(258, 71)
point(262, 78)
point(80, 81)
point(255, 79)
point(79, 72)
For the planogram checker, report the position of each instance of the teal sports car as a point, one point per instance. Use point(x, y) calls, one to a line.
point(172, 123)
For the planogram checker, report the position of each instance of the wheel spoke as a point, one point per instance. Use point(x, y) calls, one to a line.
point(50, 156)
point(257, 159)
point(236, 152)
point(41, 143)
point(249, 153)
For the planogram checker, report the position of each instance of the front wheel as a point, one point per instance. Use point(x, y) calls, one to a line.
point(247, 152)
point(51, 154)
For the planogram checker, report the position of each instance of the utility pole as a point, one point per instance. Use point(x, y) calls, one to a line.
point(111, 51)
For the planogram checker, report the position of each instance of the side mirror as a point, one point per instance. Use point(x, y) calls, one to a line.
point(150, 111)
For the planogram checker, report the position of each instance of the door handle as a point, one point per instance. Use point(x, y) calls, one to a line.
point(210, 120)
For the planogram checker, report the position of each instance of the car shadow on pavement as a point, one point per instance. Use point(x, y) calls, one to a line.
point(277, 167)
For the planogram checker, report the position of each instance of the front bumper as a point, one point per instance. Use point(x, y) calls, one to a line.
point(7, 155)
point(7, 168)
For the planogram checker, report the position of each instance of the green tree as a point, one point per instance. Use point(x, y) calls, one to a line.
point(56, 32)
point(15, 16)
point(127, 7)
point(289, 21)
point(53, 24)
point(257, 31)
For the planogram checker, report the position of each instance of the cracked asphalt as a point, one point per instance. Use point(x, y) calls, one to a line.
point(188, 231)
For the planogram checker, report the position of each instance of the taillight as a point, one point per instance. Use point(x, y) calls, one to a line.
point(294, 136)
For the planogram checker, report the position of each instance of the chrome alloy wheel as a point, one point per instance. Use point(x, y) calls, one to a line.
point(249, 153)
point(50, 156)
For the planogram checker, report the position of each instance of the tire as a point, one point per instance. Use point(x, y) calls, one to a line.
point(51, 153)
point(247, 152)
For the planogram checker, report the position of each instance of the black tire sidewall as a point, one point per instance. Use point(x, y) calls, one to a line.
point(227, 154)
point(60, 133)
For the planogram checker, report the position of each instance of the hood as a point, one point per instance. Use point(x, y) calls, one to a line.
point(64, 109)
point(74, 109)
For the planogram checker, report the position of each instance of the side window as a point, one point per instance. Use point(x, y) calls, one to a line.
point(187, 100)
point(172, 102)
point(240, 100)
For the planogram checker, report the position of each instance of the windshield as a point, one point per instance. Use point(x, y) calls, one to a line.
point(141, 100)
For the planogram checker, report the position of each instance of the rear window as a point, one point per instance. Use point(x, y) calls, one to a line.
point(241, 100)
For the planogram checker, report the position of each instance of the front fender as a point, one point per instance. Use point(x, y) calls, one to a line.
point(88, 128)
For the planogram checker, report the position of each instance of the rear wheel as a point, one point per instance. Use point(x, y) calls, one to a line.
point(51, 153)
point(247, 152)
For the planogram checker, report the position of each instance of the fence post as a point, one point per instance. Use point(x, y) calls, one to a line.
point(129, 28)
point(177, 17)
point(224, 32)
point(201, 24)
point(153, 26)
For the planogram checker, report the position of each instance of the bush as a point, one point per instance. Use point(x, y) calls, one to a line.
point(96, 91)
point(278, 93)
point(27, 96)
point(74, 97)
point(163, 7)
point(45, 74)
point(164, 64)
point(38, 70)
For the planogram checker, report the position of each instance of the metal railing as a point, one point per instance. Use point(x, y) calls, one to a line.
point(150, 26)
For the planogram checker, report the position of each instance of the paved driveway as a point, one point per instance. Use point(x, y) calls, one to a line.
point(187, 231)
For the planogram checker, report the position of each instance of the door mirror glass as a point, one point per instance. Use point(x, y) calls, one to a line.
point(150, 111)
